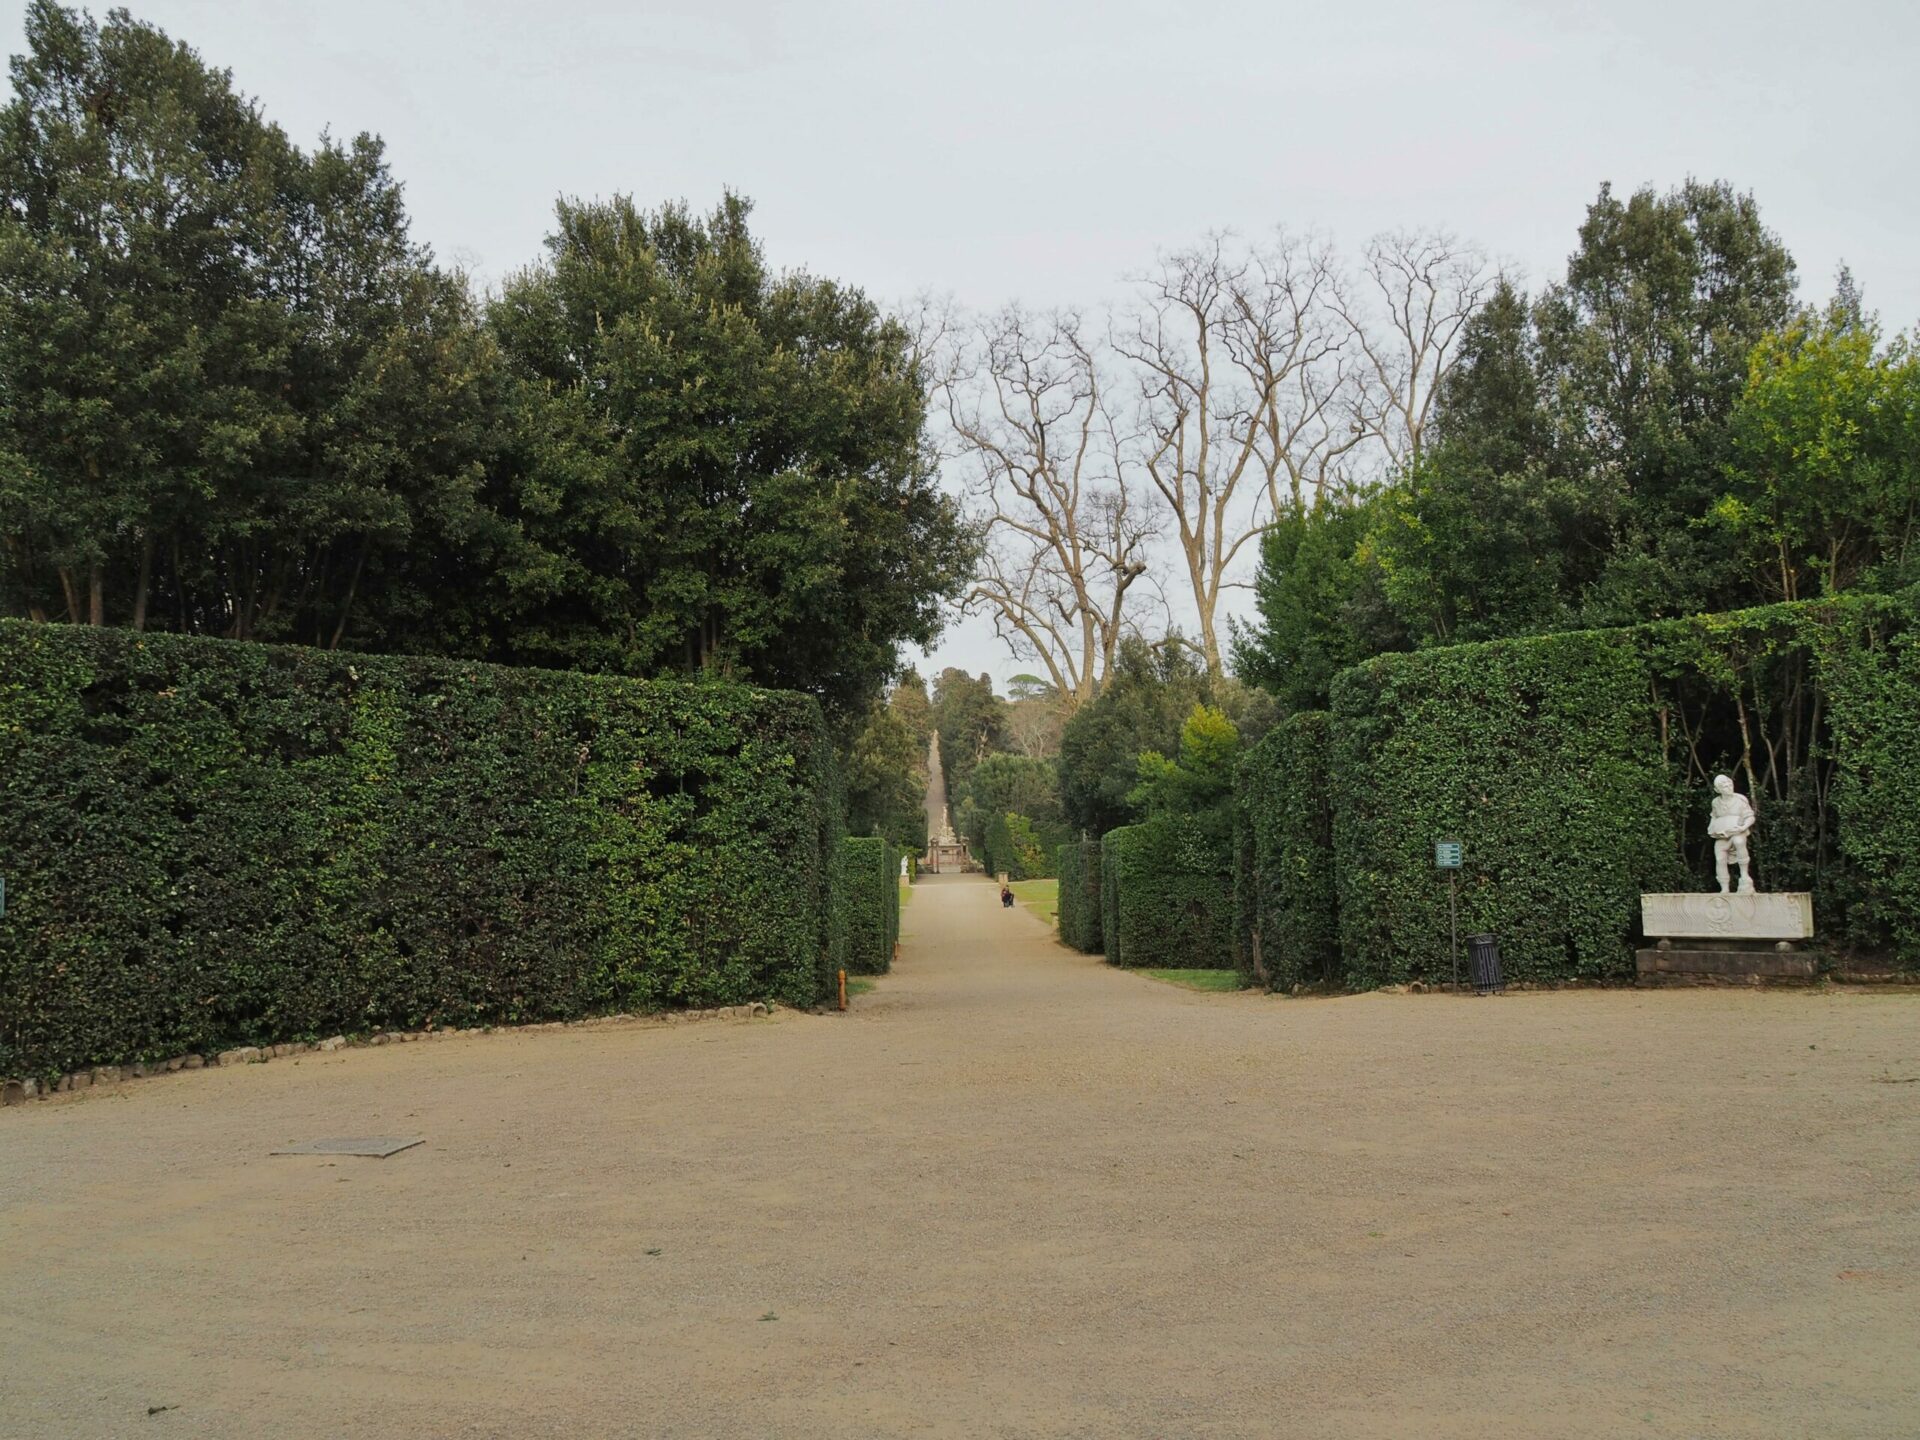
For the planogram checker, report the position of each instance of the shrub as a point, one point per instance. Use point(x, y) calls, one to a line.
point(1022, 847)
point(1167, 900)
point(208, 843)
point(1286, 905)
point(1537, 755)
point(1079, 866)
point(870, 896)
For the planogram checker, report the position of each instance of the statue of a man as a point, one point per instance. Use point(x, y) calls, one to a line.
point(1730, 824)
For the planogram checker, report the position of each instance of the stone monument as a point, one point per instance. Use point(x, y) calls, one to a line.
point(1734, 933)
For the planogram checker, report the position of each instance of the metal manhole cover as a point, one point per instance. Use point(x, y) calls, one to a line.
point(378, 1146)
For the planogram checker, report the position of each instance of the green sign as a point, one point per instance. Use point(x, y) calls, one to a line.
point(1446, 854)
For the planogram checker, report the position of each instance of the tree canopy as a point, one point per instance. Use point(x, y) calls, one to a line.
point(236, 398)
point(1659, 433)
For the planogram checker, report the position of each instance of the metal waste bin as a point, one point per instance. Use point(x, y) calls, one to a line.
point(1483, 955)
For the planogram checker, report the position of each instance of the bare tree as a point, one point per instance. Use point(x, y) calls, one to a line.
point(1245, 397)
point(1416, 291)
point(1066, 530)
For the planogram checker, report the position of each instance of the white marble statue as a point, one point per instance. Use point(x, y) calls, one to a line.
point(1731, 822)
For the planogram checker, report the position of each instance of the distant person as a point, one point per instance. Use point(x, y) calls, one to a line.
point(1006, 896)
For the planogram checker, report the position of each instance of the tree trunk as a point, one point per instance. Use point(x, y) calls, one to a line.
point(96, 596)
point(353, 587)
point(146, 580)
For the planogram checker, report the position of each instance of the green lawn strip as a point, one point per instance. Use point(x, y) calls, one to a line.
point(858, 985)
point(1198, 979)
point(906, 894)
point(1040, 896)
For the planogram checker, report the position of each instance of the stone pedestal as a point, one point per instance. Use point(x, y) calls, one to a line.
point(1715, 938)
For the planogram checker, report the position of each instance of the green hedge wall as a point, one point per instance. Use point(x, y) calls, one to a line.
point(1871, 677)
point(1538, 755)
point(1079, 867)
point(208, 843)
point(1286, 909)
point(1166, 901)
point(871, 898)
point(1110, 845)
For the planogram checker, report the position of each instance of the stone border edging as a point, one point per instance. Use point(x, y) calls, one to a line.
point(18, 1092)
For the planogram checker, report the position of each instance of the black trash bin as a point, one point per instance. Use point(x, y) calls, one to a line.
point(1483, 955)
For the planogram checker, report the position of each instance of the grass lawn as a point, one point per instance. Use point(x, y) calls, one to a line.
point(1199, 979)
point(1040, 896)
point(906, 894)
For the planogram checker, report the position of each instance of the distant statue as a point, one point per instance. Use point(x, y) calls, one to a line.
point(1731, 822)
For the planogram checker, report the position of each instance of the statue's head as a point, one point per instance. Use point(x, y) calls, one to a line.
point(1723, 784)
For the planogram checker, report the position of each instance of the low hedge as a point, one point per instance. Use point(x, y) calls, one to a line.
point(1286, 906)
point(1167, 901)
point(208, 843)
point(1079, 867)
point(870, 895)
point(1536, 754)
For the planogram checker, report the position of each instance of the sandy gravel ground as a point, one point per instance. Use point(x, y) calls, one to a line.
point(1014, 1193)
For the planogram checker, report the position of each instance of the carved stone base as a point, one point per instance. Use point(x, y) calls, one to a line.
point(1782, 915)
point(1725, 966)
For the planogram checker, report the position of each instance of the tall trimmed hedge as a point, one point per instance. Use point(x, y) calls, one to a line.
point(1167, 902)
point(1872, 681)
point(207, 843)
point(1285, 901)
point(870, 895)
point(1079, 867)
point(1534, 753)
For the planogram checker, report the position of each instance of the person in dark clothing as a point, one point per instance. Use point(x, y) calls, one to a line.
point(1006, 896)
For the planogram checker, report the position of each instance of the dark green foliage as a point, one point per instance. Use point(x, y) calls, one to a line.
point(1141, 707)
point(1584, 444)
point(1286, 901)
point(1538, 756)
point(1167, 901)
point(886, 777)
point(717, 466)
point(234, 396)
point(1010, 815)
point(972, 724)
point(1321, 608)
point(1874, 684)
point(1020, 846)
point(209, 843)
point(870, 898)
point(1079, 914)
point(1110, 896)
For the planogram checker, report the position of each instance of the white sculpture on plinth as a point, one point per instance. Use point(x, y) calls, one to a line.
point(1732, 821)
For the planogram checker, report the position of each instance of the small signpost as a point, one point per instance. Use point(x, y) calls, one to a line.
point(1447, 855)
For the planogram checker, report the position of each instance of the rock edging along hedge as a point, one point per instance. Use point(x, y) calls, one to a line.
point(870, 895)
point(1079, 918)
point(209, 843)
point(1286, 909)
point(1165, 901)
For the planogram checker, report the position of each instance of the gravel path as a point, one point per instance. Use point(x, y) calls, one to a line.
point(1013, 1193)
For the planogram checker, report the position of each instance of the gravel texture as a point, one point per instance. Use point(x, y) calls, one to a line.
point(1012, 1193)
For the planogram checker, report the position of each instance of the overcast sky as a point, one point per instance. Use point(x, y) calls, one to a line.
point(1040, 151)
